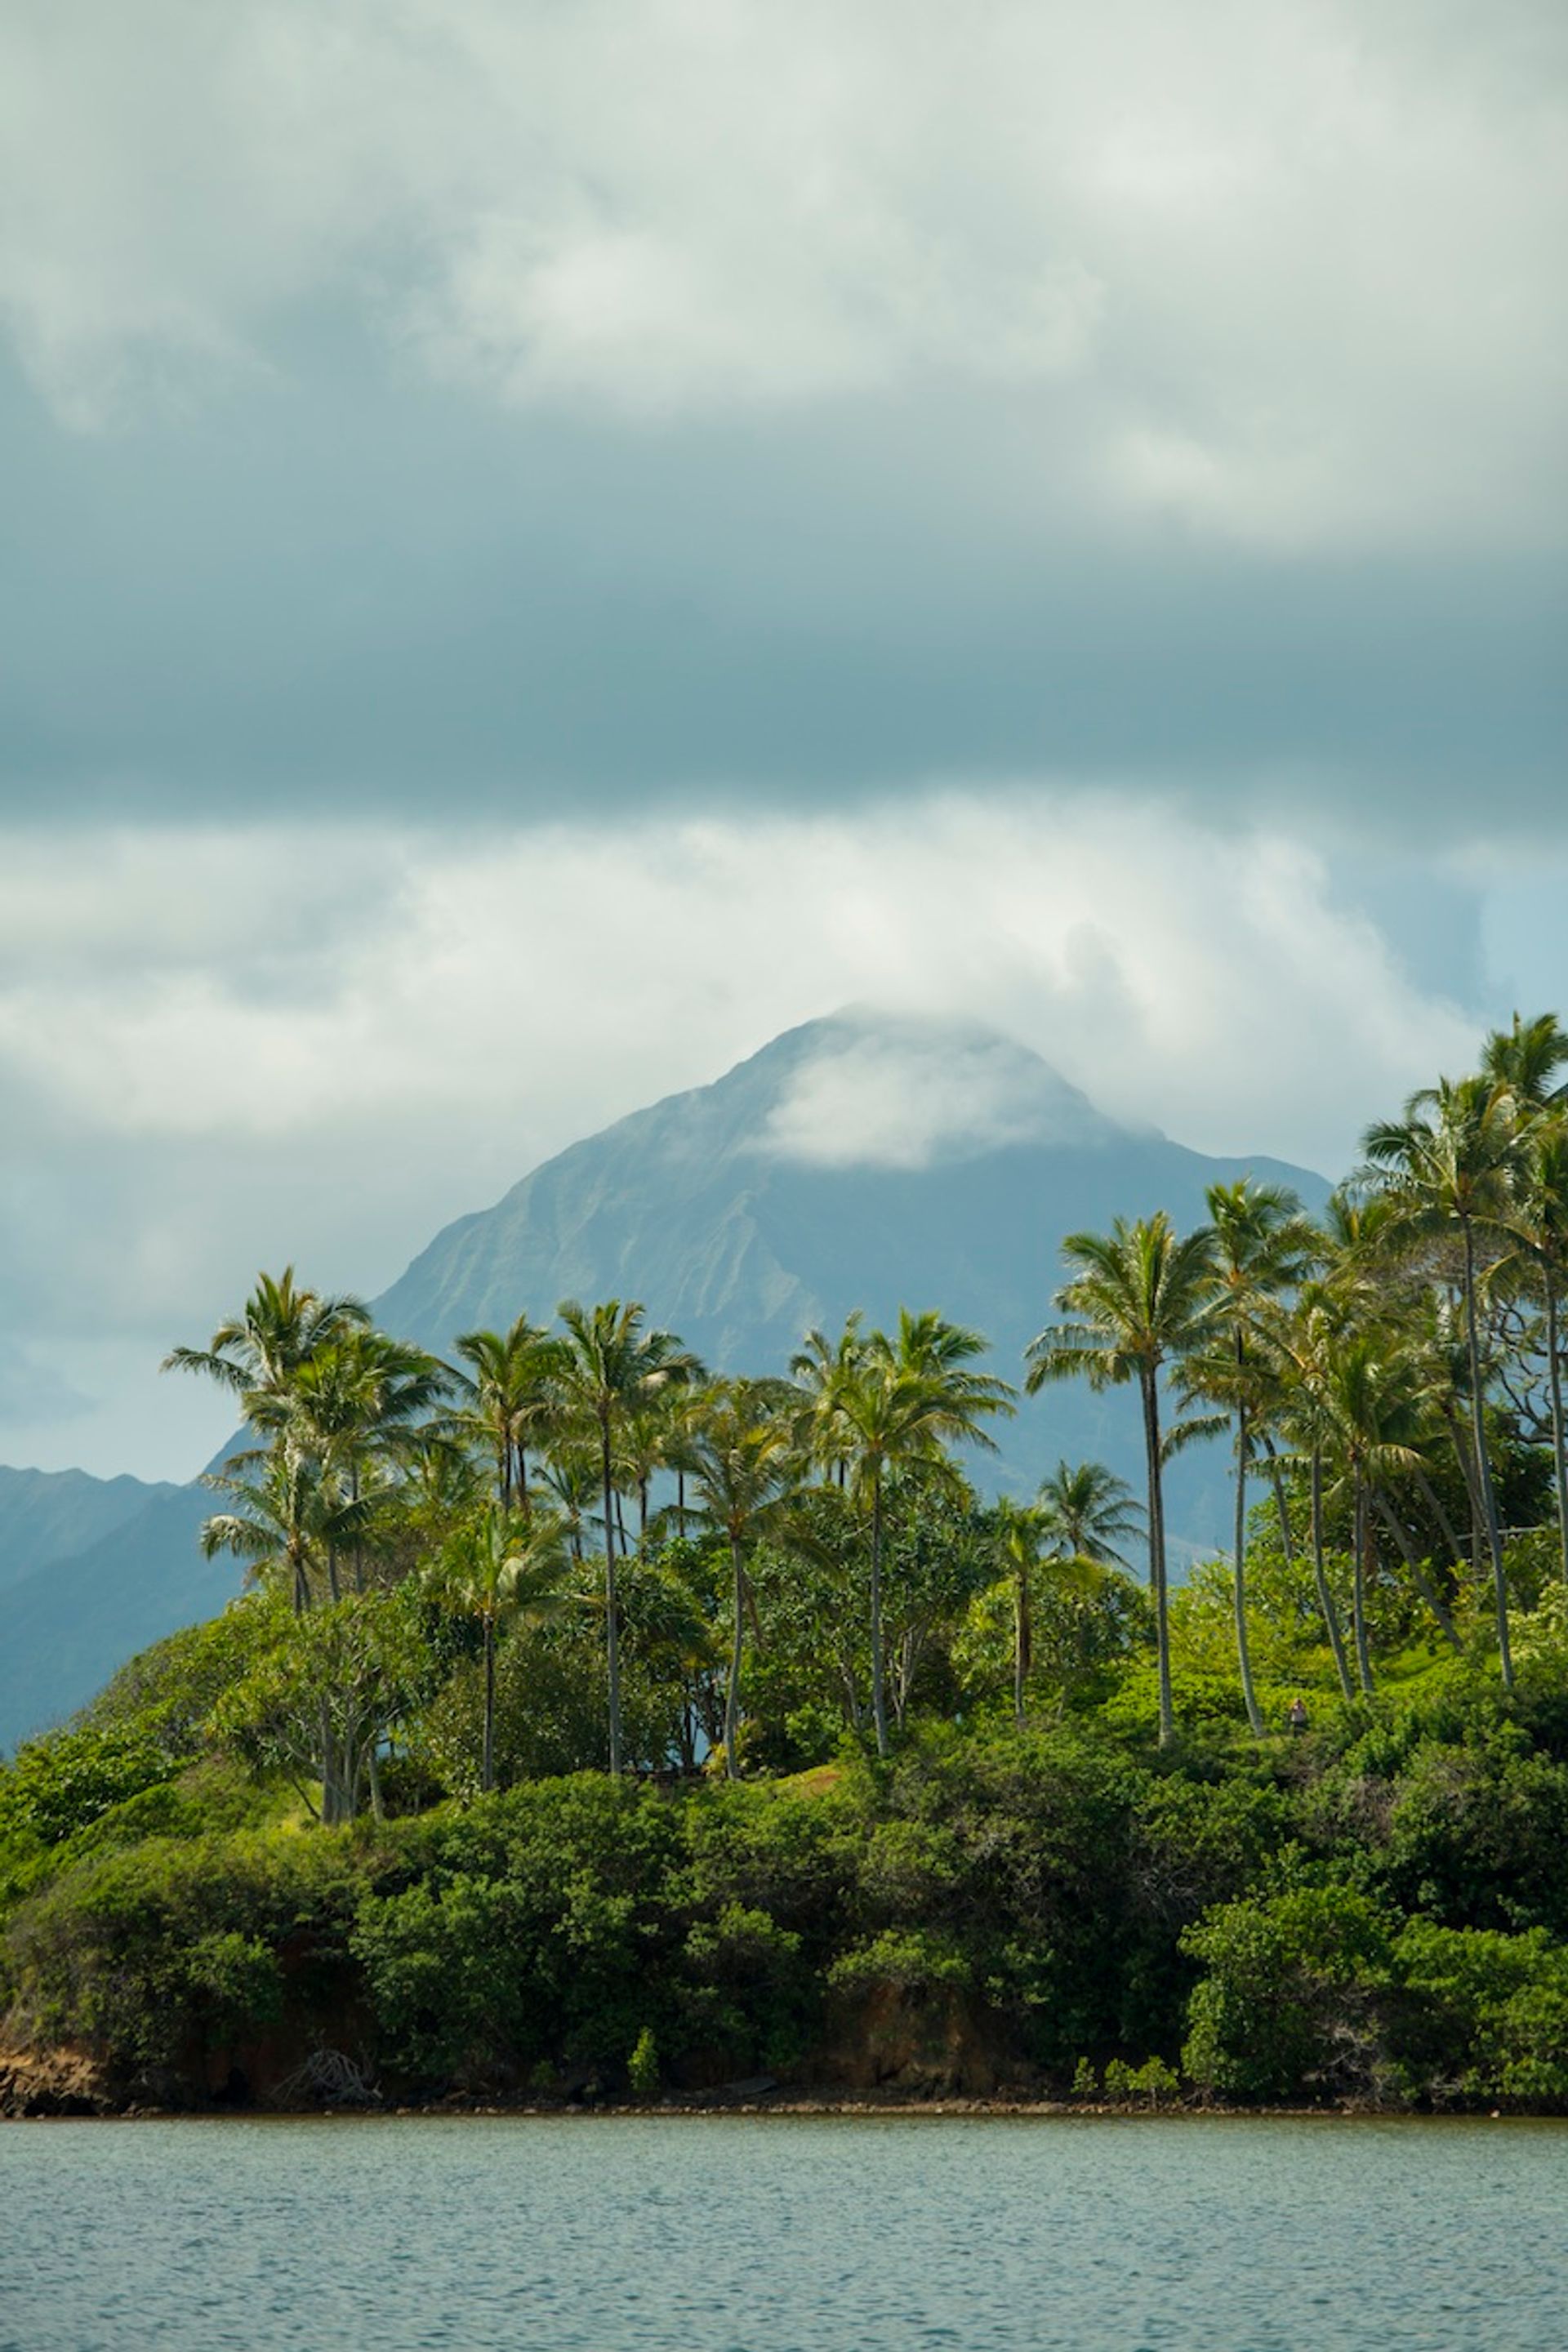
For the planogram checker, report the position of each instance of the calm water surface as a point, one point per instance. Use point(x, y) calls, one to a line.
point(736, 2234)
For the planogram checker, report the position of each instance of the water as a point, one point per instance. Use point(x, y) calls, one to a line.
point(735, 2234)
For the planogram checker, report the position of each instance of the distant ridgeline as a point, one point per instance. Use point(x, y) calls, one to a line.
point(602, 1727)
point(858, 1161)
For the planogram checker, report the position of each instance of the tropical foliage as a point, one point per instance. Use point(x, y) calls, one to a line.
point(1289, 1822)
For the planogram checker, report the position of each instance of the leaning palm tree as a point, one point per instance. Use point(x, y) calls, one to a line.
point(610, 1364)
point(744, 1470)
point(897, 1406)
point(1142, 1297)
point(1263, 1248)
point(819, 1368)
point(494, 1568)
point(1451, 1168)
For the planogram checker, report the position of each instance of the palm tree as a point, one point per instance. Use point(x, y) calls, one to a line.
point(285, 1516)
point(610, 1363)
point(352, 1399)
point(1372, 1406)
point(1020, 1535)
point(282, 1323)
point(1264, 1248)
point(505, 1399)
point(744, 1471)
point(493, 1568)
point(1540, 1226)
point(819, 1368)
point(895, 1406)
point(1085, 1511)
point(1141, 1298)
point(1454, 1161)
point(1298, 1342)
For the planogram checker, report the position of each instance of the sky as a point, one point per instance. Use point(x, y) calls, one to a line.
point(543, 545)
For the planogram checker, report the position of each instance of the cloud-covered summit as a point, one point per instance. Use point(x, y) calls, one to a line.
point(886, 1091)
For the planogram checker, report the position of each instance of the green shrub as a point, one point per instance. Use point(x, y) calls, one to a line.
point(1291, 2002)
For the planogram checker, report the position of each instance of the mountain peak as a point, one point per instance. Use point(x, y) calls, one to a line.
point(864, 1087)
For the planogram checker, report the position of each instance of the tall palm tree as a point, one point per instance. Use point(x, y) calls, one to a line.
point(494, 1568)
point(1538, 1225)
point(1372, 1406)
point(1263, 1248)
point(610, 1363)
point(1297, 1341)
point(895, 1407)
point(819, 1368)
point(1142, 1297)
point(744, 1470)
point(281, 1325)
point(1451, 1166)
point(504, 1400)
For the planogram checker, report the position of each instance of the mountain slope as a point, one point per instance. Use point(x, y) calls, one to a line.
point(854, 1162)
point(47, 1515)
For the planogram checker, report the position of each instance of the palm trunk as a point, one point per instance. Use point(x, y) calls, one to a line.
point(680, 1500)
point(1243, 1654)
point(1358, 1589)
point(1555, 1379)
point(1483, 1462)
point(525, 1507)
point(611, 1597)
point(732, 1695)
point(1148, 1381)
point(878, 1696)
point(1446, 1527)
point(333, 1590)
point(1438, 1605)
point(1022, 1642)
point(488, 1764)
point(1326, 1609)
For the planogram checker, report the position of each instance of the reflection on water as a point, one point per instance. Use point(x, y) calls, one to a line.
point(735, 2234)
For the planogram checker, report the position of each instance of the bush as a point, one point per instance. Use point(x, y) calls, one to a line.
point(1291, 2004)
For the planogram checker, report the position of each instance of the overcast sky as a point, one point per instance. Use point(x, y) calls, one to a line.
point(545, 544)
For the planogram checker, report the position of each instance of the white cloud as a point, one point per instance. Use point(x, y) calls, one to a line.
point(321, 1045)
point(890, 1101)
point(1286, 272)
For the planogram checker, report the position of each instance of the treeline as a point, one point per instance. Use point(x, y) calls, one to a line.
point(573, 1549)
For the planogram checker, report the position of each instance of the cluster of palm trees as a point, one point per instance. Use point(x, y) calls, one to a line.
point(1374, 1358)
point(1368, 1367)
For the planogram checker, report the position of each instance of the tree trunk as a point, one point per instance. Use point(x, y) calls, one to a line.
point(1243, 1653)
point(732, 1695)
point(488, 1764)
point(1149, 1380)
point(1022, 1642)
point(879, 1695)
point(1554, 1377)
point(1446, 1527)
point(1438, 1605)
point(611, 1597)
point(525, 1508)
point(1358, 1589)
point(333, 1591)
point(1325, 1598)
point(1483, 1462)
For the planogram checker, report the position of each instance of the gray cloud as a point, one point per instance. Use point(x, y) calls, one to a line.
point(492, 407)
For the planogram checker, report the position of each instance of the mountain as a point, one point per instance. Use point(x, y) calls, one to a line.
point(65, 1626)
point(47, 1515)
point(858, 1161)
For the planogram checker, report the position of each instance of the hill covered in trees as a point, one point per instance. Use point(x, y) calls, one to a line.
point(597, 1727)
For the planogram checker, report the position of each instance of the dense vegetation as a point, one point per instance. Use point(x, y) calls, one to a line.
point(594, 1724)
